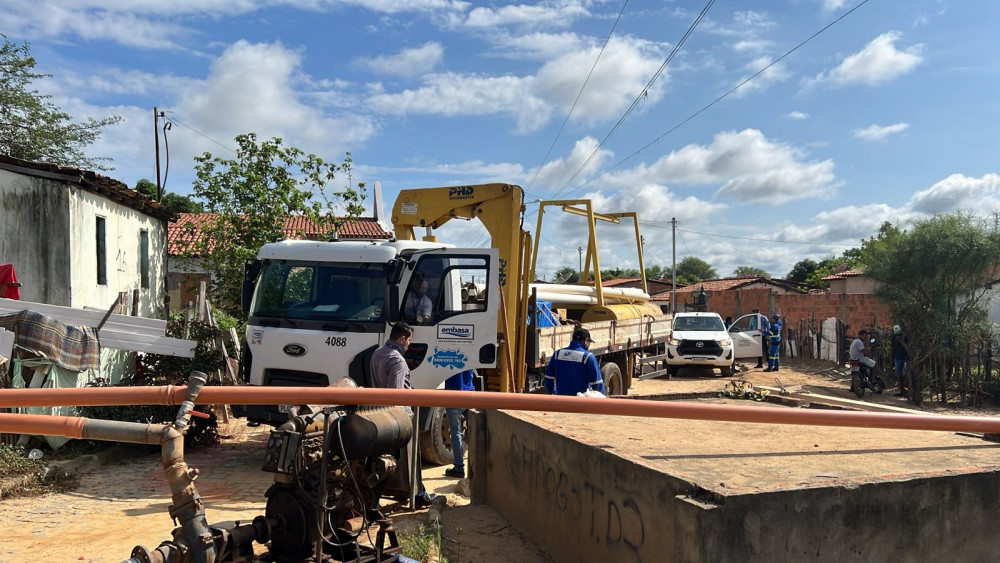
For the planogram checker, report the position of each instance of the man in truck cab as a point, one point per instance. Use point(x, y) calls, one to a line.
point(417, 307)
point(573, 369)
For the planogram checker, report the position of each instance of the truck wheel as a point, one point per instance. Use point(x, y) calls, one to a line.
point(435, 442)
point(727, 371)
point(672, 370)
point(612, 376)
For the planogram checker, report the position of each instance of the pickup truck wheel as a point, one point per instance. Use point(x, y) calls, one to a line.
point(612, 376)
point(672, 370)
point(435, 442)
point(728, 371)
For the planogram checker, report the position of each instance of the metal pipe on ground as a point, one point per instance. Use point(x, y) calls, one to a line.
point(253, 395)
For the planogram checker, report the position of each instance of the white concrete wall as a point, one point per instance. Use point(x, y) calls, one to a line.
point(122, 239)
point(35, 236)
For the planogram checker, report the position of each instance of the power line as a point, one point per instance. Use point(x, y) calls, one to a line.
point(642, 94)
point(579, 94)
point(181, 123)
point(715, 101)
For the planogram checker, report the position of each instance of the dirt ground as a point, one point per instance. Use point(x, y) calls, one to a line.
point(120, 505)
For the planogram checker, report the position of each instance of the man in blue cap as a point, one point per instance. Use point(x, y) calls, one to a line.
point(574, 369)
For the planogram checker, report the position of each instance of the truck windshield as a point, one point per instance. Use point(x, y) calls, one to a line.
point(707, 324)
point(321, 291)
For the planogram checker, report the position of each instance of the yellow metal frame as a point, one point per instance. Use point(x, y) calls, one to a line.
point(591, 254)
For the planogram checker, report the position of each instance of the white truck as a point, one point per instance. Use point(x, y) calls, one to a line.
point(317, 310)
point(701, 339)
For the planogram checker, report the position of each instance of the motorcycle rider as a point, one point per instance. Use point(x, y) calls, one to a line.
point(858, 348)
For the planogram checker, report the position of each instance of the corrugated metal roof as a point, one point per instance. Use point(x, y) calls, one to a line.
point(187, 230)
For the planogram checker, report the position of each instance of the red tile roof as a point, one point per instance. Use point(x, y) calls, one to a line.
point(90, 181)
point(852, 273)
point(180, 236)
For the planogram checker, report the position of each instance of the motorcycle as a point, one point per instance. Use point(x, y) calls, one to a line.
point(863, 376)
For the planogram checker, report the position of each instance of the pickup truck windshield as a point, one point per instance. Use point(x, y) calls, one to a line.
point(321, 291)
point(707, 324)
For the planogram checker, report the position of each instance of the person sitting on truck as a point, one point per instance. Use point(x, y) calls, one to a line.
point(417, 307)
point(574, 369)
point(389, 370)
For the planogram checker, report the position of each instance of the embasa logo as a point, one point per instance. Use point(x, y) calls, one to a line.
point(456, 331)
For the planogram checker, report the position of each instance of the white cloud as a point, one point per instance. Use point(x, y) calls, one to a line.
point(538, 46)
point(833, 5)
point(796, 115)
point(958, 191)
point(878, 62)
point(556, 172)
point(155, 24)
point(773, 75)
point(878, 132)
point(451, 95)
point(623, 71)
point(407, 62)
point(848, 224)
point(545, 14)
point(260, 88)
point(750, 168)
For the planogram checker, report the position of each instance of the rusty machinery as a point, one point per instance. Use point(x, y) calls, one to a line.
point(330, 470)
point(331, 467)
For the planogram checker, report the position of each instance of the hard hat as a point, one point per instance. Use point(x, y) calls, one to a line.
point(897, 329)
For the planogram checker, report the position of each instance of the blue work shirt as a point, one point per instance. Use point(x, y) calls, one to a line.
point(573, 370)
point(774, 334)
point(461, 381)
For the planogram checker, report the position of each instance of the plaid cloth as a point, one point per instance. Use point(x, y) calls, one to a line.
point(75, 348)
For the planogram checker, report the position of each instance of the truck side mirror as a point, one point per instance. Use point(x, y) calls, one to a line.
point(251, 270)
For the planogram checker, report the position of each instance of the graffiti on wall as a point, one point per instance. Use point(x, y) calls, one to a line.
point(607, 519)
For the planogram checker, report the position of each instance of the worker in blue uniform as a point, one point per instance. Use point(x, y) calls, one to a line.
point(573, 369)
point(774, 339)
point(461, 381)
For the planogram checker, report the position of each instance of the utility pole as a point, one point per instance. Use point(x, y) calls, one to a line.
point(673, 266)
point(156, 139)
point(579, 249)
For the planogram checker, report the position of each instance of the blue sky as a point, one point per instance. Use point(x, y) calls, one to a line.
point(890, 114)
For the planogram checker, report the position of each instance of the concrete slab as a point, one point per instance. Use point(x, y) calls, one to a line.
point(598, 488)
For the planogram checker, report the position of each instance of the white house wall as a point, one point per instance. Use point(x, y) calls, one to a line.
point(122, 227)
point(35, 236)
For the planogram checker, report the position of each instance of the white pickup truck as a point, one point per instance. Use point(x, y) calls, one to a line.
point(701, 339)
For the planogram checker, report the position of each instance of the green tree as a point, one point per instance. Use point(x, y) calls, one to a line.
point(174, 202)
point(566, 274)
point(32, 127)
point(693, 269)
point(750, 272)
point(934, 278)
point(656, 272)
point(253, 195)
point(802, 270)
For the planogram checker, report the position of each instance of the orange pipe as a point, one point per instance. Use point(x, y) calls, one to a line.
point(42, 425)
point(255, 395)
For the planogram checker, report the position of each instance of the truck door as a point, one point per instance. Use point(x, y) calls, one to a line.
point(451, 299)
point(747, 336)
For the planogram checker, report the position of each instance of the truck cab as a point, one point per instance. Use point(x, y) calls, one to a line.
point(317, 311)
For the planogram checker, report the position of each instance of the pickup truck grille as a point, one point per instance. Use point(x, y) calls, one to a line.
point(706, 348)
